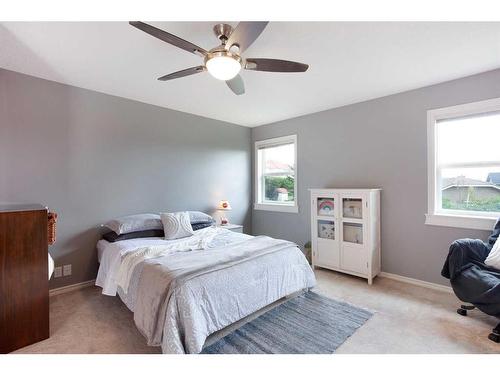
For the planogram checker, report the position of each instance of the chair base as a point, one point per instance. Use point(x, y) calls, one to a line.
point(494, 335)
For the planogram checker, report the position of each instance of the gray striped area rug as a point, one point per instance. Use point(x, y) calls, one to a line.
point(307, 324)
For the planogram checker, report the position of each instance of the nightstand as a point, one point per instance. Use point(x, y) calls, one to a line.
point(232, 227)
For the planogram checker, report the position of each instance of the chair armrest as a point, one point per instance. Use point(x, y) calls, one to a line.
point(462, 254)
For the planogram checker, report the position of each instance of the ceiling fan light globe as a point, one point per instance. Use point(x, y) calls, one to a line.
point(223, 67)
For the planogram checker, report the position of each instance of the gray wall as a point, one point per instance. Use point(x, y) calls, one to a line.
point(378, 143)
point(91, 157)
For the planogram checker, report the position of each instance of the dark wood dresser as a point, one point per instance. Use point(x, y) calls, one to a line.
point(24, 285)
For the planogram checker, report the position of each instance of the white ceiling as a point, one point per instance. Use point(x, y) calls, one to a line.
point(349, 62)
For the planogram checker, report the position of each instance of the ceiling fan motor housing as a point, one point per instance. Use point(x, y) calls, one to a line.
point(220, 51)
point(222, 31)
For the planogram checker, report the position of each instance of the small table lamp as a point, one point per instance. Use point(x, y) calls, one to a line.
point(223, 206)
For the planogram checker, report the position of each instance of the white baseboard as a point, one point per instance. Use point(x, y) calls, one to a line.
point(409, 280)
point(71, 288)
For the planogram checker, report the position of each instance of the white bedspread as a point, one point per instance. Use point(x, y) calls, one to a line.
point(179, 299)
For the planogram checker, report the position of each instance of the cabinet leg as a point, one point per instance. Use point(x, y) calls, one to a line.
point(370, 281)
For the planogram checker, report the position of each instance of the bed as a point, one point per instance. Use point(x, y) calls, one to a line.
point(180, 295)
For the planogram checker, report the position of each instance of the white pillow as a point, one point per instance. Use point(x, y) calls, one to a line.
point(176, 225)
point(493, 259)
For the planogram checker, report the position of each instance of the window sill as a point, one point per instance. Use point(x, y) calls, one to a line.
point(276, 207)
point(456, 221)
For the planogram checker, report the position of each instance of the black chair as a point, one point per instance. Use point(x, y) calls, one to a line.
point(472, 280)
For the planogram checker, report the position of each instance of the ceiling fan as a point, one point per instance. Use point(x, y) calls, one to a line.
point(224, 62)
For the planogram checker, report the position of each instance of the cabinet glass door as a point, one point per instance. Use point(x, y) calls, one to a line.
point(325, 206)
point(326, 229)
point(352, 208)
point(353, 233)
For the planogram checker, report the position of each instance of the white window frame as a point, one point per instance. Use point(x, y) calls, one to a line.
point(275, 206)
point(435, 214)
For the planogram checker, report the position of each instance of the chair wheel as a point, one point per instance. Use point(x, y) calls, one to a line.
point(494, 337)
point(468, 307)
point(462, 312)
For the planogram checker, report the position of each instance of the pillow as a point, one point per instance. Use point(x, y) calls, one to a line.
point(493, 259)
point(135, 223)
point(198, 226)
point(113, 237)
point(176, 225)
point(197, 217)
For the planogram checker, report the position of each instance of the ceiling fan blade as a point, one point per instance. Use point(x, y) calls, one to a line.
point(245, 34)
point(273, 65)
point(183, 73)
point(236, 85)
point(169, 38)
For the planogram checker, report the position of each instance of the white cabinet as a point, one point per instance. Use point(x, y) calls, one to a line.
point(345, 230)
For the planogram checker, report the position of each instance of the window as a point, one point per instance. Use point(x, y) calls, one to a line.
point(464, 165)
point(275, 174)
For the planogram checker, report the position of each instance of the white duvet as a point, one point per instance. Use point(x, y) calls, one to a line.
point(180, 296)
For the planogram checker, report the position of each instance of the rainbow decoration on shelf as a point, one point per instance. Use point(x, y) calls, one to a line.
point(325, 207)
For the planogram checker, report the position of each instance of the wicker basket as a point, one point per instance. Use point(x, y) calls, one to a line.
point(51, 227)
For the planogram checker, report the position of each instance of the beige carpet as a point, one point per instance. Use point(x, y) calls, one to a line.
point(408, 319)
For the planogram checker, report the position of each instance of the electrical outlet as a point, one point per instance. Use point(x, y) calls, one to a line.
point(58, 271)
point(67, 269)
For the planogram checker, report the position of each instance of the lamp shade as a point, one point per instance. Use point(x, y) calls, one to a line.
point(224, 205)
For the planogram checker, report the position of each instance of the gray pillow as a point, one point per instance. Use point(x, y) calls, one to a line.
point(135, 223)
point(113, 237)
point(197, 217)
point(198, 226)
